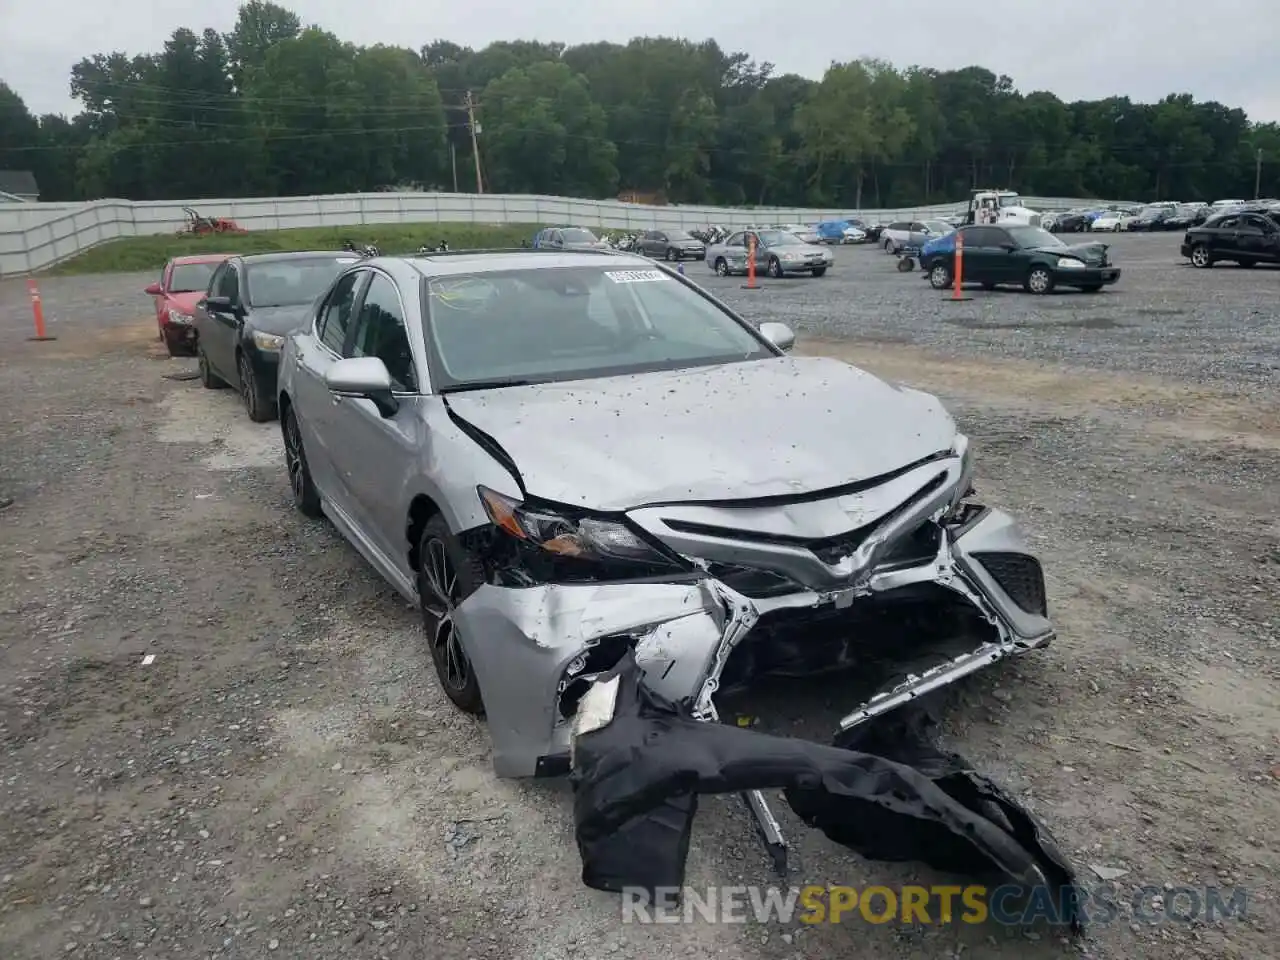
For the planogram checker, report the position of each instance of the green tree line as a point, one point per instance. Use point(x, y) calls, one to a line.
point(277, 108)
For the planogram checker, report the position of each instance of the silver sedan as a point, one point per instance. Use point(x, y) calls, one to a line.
point(777, 253)
point(563, 457)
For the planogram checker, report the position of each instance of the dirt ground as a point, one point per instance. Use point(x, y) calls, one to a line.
point(285, 779)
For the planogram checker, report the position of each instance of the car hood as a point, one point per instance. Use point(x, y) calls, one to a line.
point(776, 427)
point(280, 320)
point(1091, 253)
point(186, 302)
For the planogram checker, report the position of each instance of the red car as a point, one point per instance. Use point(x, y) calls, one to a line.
point(183, 282)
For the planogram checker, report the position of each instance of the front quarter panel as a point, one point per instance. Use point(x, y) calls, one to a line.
point(451, 466)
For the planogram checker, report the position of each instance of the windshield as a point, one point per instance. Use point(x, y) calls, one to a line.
point(938, 226)
point(681, 235)
point(566, 323)
point(191, 277)
point(779, 238)
point(287, 283)
point(578, 235)
point(1152, 211)
point(1034, 237)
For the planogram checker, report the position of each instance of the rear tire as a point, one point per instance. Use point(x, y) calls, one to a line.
point(447, 576)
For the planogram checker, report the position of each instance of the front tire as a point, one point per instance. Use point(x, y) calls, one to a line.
point(775, 268)
point(258, 410)
point(306, 498)
point(671, 255)
point(722, 267)
point(448, 575)
point(208, 379)
point(1201, 257)
point(940, 276)
point(1039, 281)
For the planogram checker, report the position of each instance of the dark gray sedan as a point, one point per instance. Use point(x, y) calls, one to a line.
point(671, 245)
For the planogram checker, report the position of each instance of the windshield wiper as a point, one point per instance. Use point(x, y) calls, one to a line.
point(483, 385)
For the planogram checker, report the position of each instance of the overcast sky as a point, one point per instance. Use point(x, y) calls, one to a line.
point(1226, 50)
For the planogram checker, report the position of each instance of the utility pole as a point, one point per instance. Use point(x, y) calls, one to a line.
point(453, 160)
point(475, 144)
point(1257, 176)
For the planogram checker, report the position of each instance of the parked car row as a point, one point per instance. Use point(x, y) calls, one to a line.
point(232, 313)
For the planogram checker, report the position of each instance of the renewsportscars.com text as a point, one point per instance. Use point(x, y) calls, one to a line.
point(939, 904)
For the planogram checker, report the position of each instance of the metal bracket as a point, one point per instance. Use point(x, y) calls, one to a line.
point(742, 616)
point(762, 818)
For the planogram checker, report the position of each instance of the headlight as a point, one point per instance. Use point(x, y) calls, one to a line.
point(179, 318)
point(593, 539)
point(267, 341)
point(790, 256)
point(1070, 263)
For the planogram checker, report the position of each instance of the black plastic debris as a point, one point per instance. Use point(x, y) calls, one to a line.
point(183, 375)
point(887, 793)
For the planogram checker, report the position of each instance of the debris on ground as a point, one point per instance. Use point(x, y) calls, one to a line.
point(885, 791)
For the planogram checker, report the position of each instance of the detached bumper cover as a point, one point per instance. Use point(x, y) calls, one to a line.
point(536, 649)
point(887, 793)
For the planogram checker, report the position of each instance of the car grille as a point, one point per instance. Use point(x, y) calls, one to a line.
point(897, 633)
point(1020, 577)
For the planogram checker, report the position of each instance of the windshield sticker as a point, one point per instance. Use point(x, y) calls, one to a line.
point(634, 276)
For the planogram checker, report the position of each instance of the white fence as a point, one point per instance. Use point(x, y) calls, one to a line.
point(36, 235)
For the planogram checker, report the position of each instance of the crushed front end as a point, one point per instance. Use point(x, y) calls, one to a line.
point(903, 572)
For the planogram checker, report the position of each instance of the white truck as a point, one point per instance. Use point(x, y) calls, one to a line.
point(999, 206)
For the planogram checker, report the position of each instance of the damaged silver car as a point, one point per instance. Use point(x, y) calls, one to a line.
point(562, 457)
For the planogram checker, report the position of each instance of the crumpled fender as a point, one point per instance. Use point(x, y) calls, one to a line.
point(887, 793)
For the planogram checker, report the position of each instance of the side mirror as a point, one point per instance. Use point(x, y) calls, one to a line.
point(779, 334)
point(153, 290)
point(218, 304)
point(363, 378)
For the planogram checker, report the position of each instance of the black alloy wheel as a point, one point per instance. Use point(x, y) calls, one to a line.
point(306, 498)
point(446, 578)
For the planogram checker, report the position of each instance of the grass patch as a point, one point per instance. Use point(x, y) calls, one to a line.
point(139, 254)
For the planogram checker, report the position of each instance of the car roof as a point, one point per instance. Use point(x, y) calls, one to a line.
point(201, 258)
point(489, 261)
point(284, 255)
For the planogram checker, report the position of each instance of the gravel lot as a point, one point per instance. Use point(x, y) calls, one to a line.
point(285, 779)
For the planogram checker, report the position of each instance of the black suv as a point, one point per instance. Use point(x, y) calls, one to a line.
point(1247, 238)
